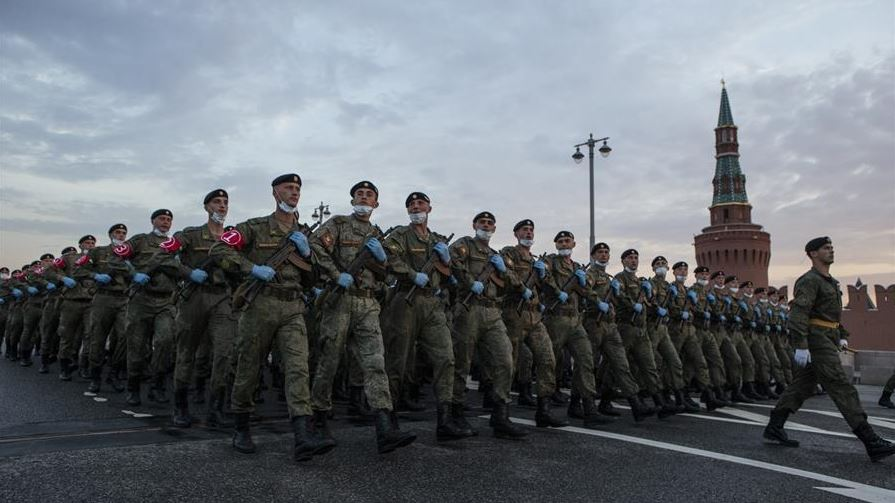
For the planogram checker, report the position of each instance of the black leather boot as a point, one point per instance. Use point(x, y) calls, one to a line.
point(750, 392)
point(242, 435)
point(133, 391)
point(639, 409)
point(592, 416)
point(388, 436)
point(44, 364)
point(447, 428)
point(217, 418)
point(768, 392)
point(559, 398)
point(779, 388)
point(737, 396)
point(525, 397)
point(158, 393)
point(607, 409)
point(181, 415)
point(356, 404)
point(709, 399)
point(307, 443)
point(543, 419)
point(574, 411)
point(95, 379)
point(877, 448)
point(774, 430)
point(25, 358)
point(503, 427)
point(117, 385)
point(720, 398)
point(460, 419)
point(487, 391)
point(408, 403)
point(199, 393)
point(321, 428)
point(683, 401)
point(84, 367)
point(886, 400)
point(663, 409)
point(64, 369)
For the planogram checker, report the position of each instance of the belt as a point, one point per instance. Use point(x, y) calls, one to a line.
point(361, 292)
point(112, 293)
point(422, 292)
point(280, 294)
point(817, 322)
point(526, 306)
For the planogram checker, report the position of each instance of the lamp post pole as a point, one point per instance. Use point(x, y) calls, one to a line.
point(578, 157)
point(320, 213)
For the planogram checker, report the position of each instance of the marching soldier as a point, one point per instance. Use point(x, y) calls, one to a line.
point(672, 371)
point(15, 320)
point(732, 311)
point(74, 311)
point(762, 318)
point(779, 340)
point(885, 400)
point(37, 288)
point(719, 305)
point(49, 319)
point(699, 300)
point(818, 337)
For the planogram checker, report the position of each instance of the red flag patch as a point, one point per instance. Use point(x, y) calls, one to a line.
point(123, 250)
point(170, 245)
point(233, 238)
point(83, 259)
point(59, 263)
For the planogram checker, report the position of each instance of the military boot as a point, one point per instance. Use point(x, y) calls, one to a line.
point(158, 393)
point(886, 400)
point(95, 379)
point(750, 392)
point(877, 448)
point(84, 367)
point(543, 419)
point(779, 388)
point(408, 403)
point(307, 443)
point(503, 427)
point(320, 428)
point(721, 398)
point(768, 392)
point(199, 393)
point(559, 398)
point(662, 407)
point(64, 369)
point(44, 364)
point(525, 398)
point(25, 358)
point(683, 400)
point(242, 435)
point(460, 419)
point(114, 380)
point(592, 416)
point(639, 409)
point(356, 404)
point(710, 400)
point(388, 436)
point(133, 391)
point(606, 408)
point(774, 430)
point(671, 401)
point(737, 396)
point(487, 391)
point(181, 415)
point(447, 428)
point(574, 411)
point(217, 418)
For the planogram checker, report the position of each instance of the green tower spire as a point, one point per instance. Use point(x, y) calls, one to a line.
point(729, 181)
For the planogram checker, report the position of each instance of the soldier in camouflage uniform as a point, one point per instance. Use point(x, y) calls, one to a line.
point(779, 340)
point(719, 304)
point(421, 322)
point(6, 299)
point(203, 313)
point(49, 318)
point(350, 314)
point(885, 400)
point(746, 315)
point(16, 285)
point(818, 337)
point(525, 326)
point(702, 319)
point(37, 289)
point(764, 330)
point(74, 311)
point(734, 324)
point(481, 275)
point(275, 316)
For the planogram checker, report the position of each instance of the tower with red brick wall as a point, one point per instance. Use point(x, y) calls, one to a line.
point(732, 243)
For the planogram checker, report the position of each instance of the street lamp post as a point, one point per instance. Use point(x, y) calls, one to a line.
point(320, 213)
point(578, 157)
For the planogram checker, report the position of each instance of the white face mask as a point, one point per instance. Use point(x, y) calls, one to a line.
point(159, 233)
point(4, 275)
point(361, 210)
point(418, 218)
point(747, 295)
point(763, 301)
point(116, 242)
point(719, 287)
point(702, 282)
point(528, 243)
point(681, 278)
point(774, 304)
point(285, 208)
point(483, 234)
point(661, 271)
point(628, 269)
point(218, 218)
point(565, 252)
point(601, 264)
point(734, 289)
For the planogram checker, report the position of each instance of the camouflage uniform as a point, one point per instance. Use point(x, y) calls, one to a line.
point(666, 355)
point(31, 314)
point(780, 342)
point(702, 316)
point(683, 335)
point(733, 364)
point(632, 327)
point(74, 314)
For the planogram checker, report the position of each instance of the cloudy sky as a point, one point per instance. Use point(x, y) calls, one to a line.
point(110, 109)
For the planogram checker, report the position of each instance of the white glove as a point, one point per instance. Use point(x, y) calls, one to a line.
point(843, 344)
point(802, 357)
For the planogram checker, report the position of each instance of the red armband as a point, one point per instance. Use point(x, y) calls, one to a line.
point(83, 259)
point(124, 251)
point(170, 245)
point(233, 238)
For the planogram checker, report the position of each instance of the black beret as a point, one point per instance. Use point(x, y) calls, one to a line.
point(563, 234)
point(746, 284)
point(771, 290)
point(287, 178)
point(522, 223)
point(660, 257)
point(629, 251)
point(117, 227)
point(69, 249)
point(716, 274)
point(700, 269)
point(760, 289)
point(4, 269)
point(679, 264)
point(411, 198)
point(599, 246)
point(160, 212)
point(816, 243)
point(46, 256)
point(730, 279)
point(363, 185)
point(217, 193)
point(88, 237)
point(484, 214)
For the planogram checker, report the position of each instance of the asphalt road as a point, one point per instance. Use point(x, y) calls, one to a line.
point(56, 444)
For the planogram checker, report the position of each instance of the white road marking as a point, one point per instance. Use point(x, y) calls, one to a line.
point(136, 414)
point(100, 399)
point(851, 489)
point(883, 422)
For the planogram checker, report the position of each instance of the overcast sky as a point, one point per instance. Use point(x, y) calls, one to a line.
point(109, 110)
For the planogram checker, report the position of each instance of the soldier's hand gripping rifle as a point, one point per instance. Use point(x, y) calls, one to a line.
point(488, 273)
point(645, 287)
point(247, 291)
point(664, 319)
point(566, 286)
point(529, 282)
point(606, 299)
point(190, 287)
point(434, 262)
point(333, 291)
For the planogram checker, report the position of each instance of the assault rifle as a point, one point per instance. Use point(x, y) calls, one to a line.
point(487, 273)
point(529, 282)
point(433, 262)
point(565, 286)
point(247, 291)
point(333, 291)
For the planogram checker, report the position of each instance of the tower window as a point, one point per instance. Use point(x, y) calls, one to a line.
point(726, 215)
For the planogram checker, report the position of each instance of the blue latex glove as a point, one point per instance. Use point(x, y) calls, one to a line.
point(31, 290)
point(345, 280)
point(542, 308)
point(711, 298)
point(527, 294)
point(301, 243)
point(707, 315)
point(497, 261)
point(757, 311)
point(563, 297)
point(477, 287)
point(102, 279)
point(728, 301)
point(582, 277)
point(443, 252)
point(51, 286)
point(263, 272)
point(693, 296)
point(752, 324)
point(723, 318)
point(638, 308)
point(662, 312)
point(421, 279)
point(452, 280)
point(17, 293)
point(737, 319)
point(540, 268)
point(672, 290)
point(767, 329)
point(743, 305)
point(802, 357)
point(376, 249)
point(2, 301)
point(647, 287)
point(69, 282)
point(603, 307)
point(316, 291)
point(198, 276)
point(685, 315)
point(615, 285)
point(783, 316)
point(770, 312)
point(140, 278)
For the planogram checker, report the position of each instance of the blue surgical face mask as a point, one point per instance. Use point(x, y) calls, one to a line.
point(528, 243)
point(362, 210)
point(661, 271)
point(702, 282)
point(601, 264)
point(628, 269)
point(565, 252)
point(483, 234)
point(681, 278)
point(418, 218)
